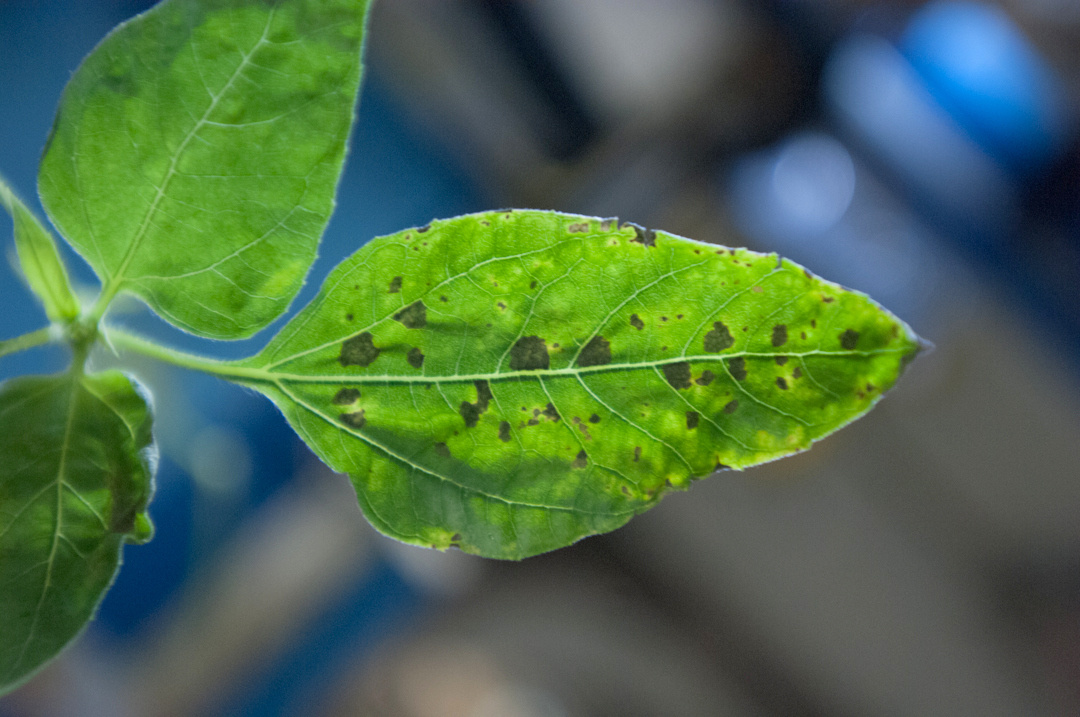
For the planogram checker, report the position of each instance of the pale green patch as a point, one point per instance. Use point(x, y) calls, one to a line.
point(196, 151)
point(39, 260)
point(78, 462)
point(509, 382)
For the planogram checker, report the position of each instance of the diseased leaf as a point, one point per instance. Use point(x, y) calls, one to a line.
point(76, 471)
point(510, 382)
point(39, 260)
point(195, 154)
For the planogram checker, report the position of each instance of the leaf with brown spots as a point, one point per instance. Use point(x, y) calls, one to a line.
point(509, 433)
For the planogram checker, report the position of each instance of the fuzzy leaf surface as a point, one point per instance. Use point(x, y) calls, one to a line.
point(196, 151)
point(76, 472)
point(509, 382)
point(39, 259)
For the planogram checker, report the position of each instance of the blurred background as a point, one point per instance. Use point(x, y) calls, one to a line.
point(924, 561)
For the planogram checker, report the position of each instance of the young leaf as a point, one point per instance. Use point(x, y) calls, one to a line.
point(510, 382)
point(76, 470)
point(195, 154)
point(39, 260)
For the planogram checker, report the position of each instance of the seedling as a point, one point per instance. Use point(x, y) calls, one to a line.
point(506, 382)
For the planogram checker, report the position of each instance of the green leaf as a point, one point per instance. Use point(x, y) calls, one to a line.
point(195, 154)
point(76, 471)
point(510, 382)
point(39, 260)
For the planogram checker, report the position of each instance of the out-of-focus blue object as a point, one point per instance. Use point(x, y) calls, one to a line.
point(884, 106)
point(984, 72)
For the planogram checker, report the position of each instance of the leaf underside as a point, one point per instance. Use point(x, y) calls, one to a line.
point(196, 151)
point(76, 470)
point(509, 382)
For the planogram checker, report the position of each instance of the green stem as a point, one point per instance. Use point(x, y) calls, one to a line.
point(26, 341)
point(131, 342)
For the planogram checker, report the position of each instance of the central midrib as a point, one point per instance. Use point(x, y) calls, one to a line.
point(270, 376)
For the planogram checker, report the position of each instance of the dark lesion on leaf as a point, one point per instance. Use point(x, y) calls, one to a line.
point(737, 367)
point(781, 360)
point(529, 353)
point(594, 418)
point(346, 396)
point(578, 227)
point(636, 322)
point(359, 351)
point(504, 431)
point(355, 419)
point(413, 316)
point(731, 406)
point(706, 378)
point(550, 412)
point(415, 357)
point(395, 285)
point(719, 338)
point(641, 234)
point(596, 353)
point(782, 383)
point(849, 339)
point(581, 460)
point(779, 335)
point(637, 453)
point(678, 374)
point(692, 418)
point(471, 412)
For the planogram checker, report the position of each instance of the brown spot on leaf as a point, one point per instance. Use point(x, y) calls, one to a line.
point(424, 228)
point(706, 378)
point(797, 373)
point(581, 460)
point(781, 382)
point(637, 453)
point(355, 419)
point(737, 367)
point(504, 431)
point(731, 406)
point(395, 285)
point(358, 351)
point(443, 299)
point(849, 339)
point(596, 353)
point(594, 418)
point(415, 357)
point(678, 374)
point(533, 422)
point(345, 396)
point(642, 235)
point(413, 316)
point(692, 418)
point(471, 411)
point(779, 335)
point(578, 227)
point(719, 338)
point(348, 317)
point(828, 299)
point(551, 413)
point(781, 360)
point(532, 284)
point(529, 353)
point(636, 322)
point(501, 306)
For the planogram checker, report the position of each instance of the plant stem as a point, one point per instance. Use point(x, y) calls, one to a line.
point(131, 342)
point(26, 341)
